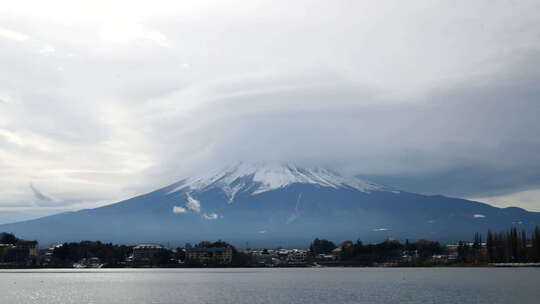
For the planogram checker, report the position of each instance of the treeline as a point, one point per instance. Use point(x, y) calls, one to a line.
point(109, 254)
point(112, 255)
point(512, 246)
point(389, 251)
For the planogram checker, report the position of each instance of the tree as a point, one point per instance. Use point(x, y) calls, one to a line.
point(8, 238)
point(216, 244)
point(426, 249)
point(163, 257)
point(536, 244)
point(491, 257)
point(347, 250)
point(108, 253)
point(321, 247)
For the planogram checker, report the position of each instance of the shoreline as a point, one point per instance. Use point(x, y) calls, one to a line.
point(497, 265)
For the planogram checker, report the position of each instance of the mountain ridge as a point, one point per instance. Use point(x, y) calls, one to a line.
point(277, 205)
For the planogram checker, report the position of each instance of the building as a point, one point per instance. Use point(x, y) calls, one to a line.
point(337, 253)
point(325, 257)
point(296, 257)
point(30, 246)
point(22, 253)
point(4, 249)
point(18, 255)
point(452, 251)
point(205, 256)
point(46, 255)
point(264, 258)
point(147, 254)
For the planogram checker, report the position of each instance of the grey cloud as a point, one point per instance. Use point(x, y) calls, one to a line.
point(39, 195)
point(474, 137)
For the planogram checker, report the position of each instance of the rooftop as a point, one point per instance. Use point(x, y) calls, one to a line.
point(148, 246)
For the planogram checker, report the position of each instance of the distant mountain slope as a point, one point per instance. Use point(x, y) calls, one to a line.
point(278, 205)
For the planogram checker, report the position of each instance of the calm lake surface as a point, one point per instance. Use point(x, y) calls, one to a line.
point(281, 285)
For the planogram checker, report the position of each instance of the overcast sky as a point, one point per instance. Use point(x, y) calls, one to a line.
point(109, 99)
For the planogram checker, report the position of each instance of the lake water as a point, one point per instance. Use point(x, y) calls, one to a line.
point(280, 285)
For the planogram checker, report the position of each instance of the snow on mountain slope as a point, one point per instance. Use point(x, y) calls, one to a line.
point(259, 178)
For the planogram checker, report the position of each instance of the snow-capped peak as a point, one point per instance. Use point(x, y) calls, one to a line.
point(259, 178)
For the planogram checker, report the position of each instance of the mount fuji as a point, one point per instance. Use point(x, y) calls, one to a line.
point(275, 205)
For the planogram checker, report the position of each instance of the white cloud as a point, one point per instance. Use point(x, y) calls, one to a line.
point(210, 216)
point(479, 216)
point(178, 209)
point(9, 34)
point(126, 32)
point(47, 50)
point(193, 204)
point(528, 199)
point(5, 98)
